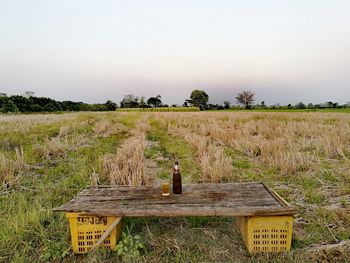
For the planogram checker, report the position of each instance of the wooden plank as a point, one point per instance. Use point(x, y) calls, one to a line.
point(189, 191)
point(238, 202)
point(276, 196)
point(193, 198)
point(211, 196)
point(194, 211)
point(106, 233)
point(196, 200)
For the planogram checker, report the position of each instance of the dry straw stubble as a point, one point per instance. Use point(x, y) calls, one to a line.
point(127, 166)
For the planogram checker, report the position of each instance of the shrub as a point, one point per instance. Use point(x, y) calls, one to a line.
point(9, 106)
point(129, 246)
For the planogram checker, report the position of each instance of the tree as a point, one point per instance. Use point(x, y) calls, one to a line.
point(9, 106)
point(110, 105)
point(3, 100)
point(52, 107)
point(22, 103)
point(155, 102)
point(212, 106)
point(130, 101)
point(246, 98)
point(29, 94)
point(72, 106)
point(300, 105)
point(330, 104)
point(41, 101)
point(199, 98)
point(143, 103)
point(227, 104)
point(35, 108)
point(262, 104)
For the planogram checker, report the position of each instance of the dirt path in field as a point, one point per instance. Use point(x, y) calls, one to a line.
point(152, 168)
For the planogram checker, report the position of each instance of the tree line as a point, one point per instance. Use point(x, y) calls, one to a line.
point(198, 98)
point(30, 103)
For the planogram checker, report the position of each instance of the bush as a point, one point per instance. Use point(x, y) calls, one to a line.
point(110, 105)
point(35, 108)
point(52, 106)
point(9, 106)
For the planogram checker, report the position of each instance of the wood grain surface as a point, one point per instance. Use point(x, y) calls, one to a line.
point(238, 199)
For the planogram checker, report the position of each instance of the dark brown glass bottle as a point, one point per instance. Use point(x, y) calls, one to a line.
point(177, 185)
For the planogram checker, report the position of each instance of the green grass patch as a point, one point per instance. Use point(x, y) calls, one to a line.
point(29, 230)
point(171, 148)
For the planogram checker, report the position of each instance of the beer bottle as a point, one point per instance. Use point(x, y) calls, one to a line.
point(177, 185)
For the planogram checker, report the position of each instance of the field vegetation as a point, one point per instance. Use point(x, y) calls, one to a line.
point(173, 109)
point(45, 160)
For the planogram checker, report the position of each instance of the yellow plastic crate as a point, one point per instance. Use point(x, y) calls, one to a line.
point(86, 230)
point(266, 233)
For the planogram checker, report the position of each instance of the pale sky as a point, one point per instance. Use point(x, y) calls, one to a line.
point(91, 51)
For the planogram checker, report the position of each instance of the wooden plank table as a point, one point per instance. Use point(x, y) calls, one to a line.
point(264, 218)
point(238, 199)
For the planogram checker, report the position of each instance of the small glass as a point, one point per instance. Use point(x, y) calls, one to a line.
point(165, 189)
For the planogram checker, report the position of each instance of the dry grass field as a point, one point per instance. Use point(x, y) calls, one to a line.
point(46, 159)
